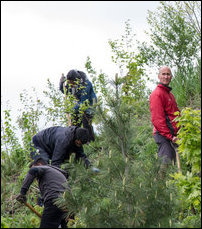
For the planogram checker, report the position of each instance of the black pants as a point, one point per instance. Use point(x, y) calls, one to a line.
point(52, 216)
point(86, 121)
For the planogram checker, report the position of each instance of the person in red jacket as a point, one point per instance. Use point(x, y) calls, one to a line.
point(163, 106)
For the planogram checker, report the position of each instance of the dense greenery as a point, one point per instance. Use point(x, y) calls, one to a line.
point(127, 193)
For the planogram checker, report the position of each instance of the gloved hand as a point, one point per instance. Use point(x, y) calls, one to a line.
point(95, 170)
point(21, 198)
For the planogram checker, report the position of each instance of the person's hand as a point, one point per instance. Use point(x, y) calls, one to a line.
point(21, 198)
point(174, 139)
point(62, 79)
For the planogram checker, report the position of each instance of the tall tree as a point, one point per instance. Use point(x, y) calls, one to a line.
point(174, 33)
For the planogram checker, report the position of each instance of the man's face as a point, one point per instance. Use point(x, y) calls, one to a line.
point(78, 143)
point(165, 76)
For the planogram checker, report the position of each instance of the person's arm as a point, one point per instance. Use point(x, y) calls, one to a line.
point(158, 116)
point(62, 87)
point(34, 172)
point(62, 80)
point(80, 155)
point(31, 175)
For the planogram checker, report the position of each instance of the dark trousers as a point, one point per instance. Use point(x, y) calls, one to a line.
point(166, 152)
point(52, 216)
point(86, 121)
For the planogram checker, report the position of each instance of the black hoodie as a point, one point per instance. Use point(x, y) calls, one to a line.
point(58, 142)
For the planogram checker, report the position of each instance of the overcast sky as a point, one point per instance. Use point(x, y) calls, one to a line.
point(42, 39)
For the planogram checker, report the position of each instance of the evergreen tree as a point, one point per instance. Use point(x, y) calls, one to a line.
point(127, 192)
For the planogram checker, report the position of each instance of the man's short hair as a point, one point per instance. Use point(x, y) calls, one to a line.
point(82, 134)
point(38, 160)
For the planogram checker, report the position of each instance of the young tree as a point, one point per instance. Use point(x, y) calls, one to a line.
point(175, 39)
point(189, 181)
point(125, 193)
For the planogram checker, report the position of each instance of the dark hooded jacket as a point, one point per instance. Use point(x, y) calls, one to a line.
point(58, 142)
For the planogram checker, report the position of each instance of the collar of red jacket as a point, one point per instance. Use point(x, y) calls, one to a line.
point(165, 87)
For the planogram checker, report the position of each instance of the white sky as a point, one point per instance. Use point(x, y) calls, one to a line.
point(42, 39)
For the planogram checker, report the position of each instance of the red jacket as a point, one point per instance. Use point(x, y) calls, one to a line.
point(162, 102)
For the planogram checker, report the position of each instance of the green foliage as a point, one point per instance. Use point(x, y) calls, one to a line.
point(192, 13)
point(174, 40)
point(12, 156)
point(130, 63)
point(15, 160)
point(4, 223)
point(28, 120)
point(56, 106)
point(186, 86)
point(22, 220)
point(114, 199)
point(127, 192)
point(193, 221)
point(190, 137)
point(189, 185)
point(88, 66)
point(123, 49)
point(59, 105)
